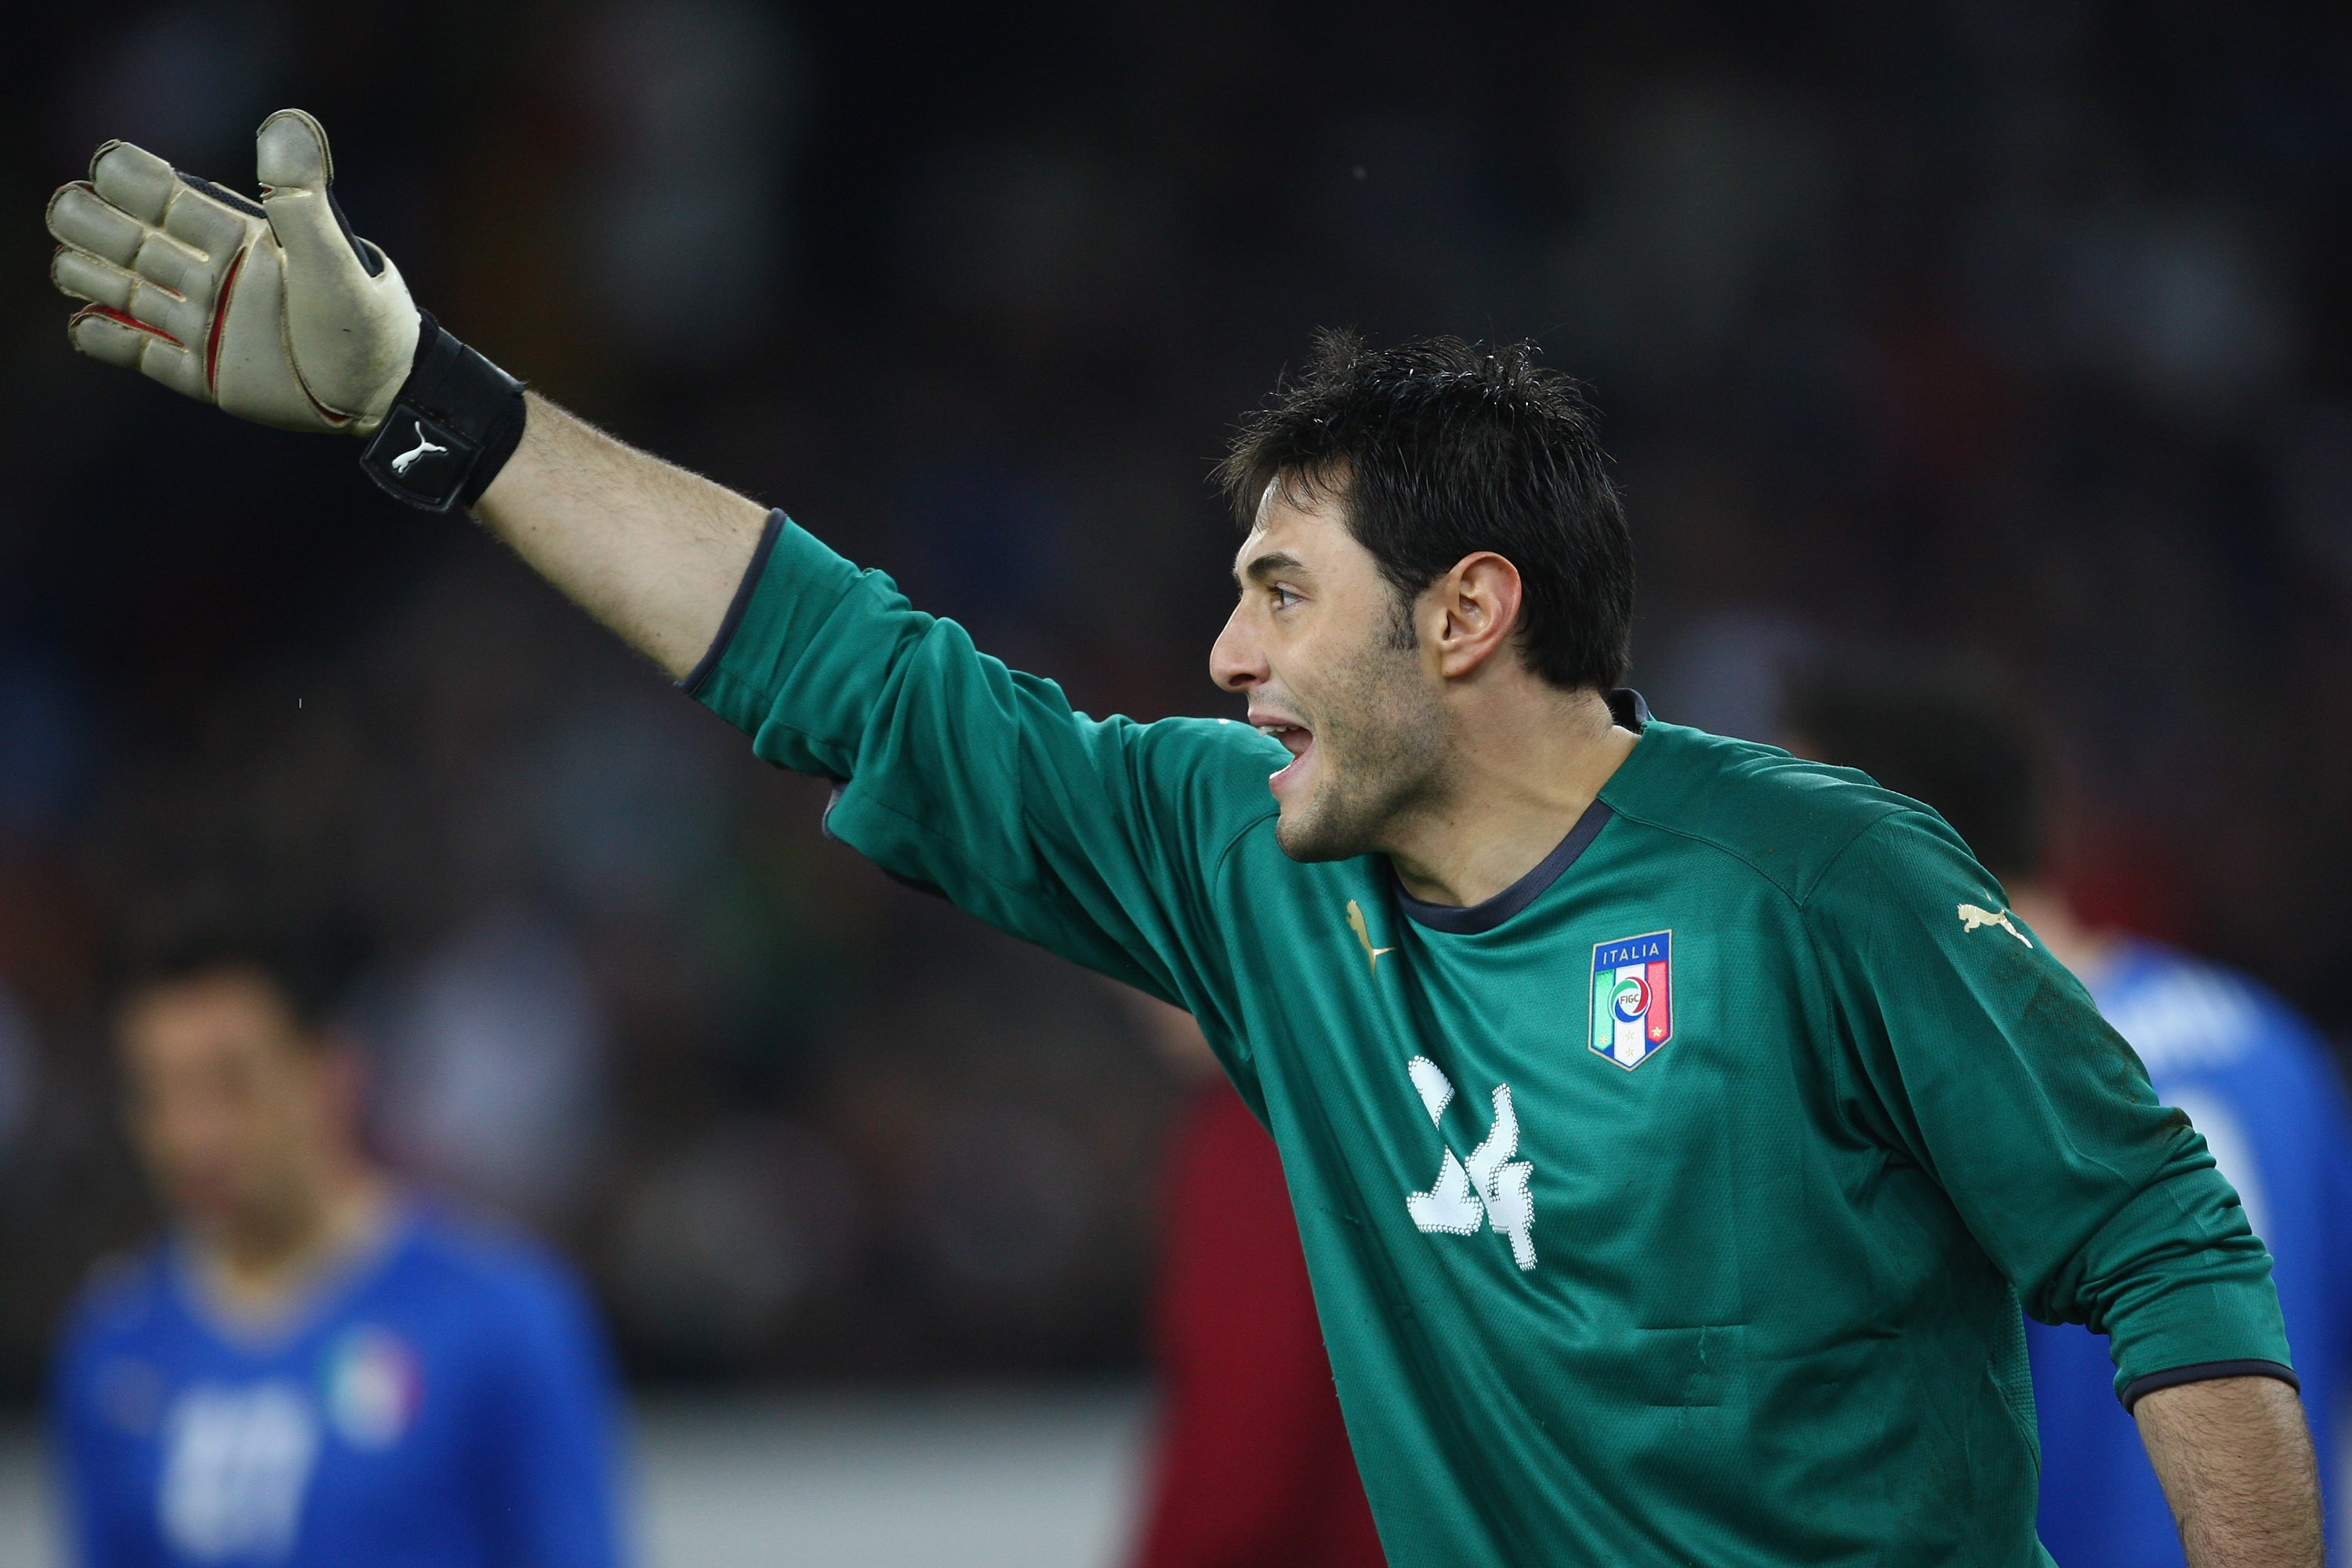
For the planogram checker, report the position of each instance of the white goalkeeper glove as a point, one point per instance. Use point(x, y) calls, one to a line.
point(275, 309)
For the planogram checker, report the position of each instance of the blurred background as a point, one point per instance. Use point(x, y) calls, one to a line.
point(2011, 332)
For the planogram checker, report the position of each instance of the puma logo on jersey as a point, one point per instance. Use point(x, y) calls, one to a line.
point(1972, 917)
point(1490, 1188)
point(407, 459)
point(1364, 935)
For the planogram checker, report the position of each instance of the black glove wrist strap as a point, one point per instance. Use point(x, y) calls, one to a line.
point(454, 424)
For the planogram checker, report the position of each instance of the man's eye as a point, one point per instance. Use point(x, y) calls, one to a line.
point(1283, 597)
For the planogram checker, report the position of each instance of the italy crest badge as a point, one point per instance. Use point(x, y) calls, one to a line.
point(1632, 997)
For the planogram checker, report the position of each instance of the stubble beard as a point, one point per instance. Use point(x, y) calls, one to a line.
point(1381, 745)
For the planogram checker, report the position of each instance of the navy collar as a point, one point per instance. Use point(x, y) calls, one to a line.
point(1626, 707)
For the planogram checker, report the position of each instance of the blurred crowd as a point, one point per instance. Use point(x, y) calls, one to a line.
point(2017, 333)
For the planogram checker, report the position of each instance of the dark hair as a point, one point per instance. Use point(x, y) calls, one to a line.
point(308, 964)
point(1439, 449)
point(1938, 737)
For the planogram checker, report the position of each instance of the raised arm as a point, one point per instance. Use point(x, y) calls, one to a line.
point(650, 549)
point(1098, 839)
point(2236, 1462)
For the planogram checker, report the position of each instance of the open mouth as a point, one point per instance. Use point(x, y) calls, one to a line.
point(1300, 743)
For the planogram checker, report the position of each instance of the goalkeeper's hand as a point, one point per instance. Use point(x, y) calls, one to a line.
point(275, 309)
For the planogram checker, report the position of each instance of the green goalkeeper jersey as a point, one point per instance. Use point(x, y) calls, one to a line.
point(1675, 1207)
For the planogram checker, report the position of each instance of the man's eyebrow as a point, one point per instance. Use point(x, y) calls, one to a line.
point(1268, 566)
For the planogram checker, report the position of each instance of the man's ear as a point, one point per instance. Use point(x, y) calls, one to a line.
point(1468, 614)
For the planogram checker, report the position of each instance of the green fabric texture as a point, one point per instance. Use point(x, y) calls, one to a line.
point(1770, 1311)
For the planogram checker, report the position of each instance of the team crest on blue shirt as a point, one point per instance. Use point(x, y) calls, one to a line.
point(373, 1386)
point(1632, 997)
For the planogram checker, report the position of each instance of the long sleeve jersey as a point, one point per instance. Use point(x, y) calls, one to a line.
point(1674, 1206)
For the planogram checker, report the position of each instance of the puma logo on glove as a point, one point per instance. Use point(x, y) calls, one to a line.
point(407, 459)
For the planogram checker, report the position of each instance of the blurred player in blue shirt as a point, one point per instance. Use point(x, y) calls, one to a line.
point(311, 1368)
point(2252, 1078)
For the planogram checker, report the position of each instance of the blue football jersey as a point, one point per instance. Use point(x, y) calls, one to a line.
point(445, 1402)
point(2265, 1092)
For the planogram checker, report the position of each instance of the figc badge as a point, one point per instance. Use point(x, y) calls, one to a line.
point(1632, 997)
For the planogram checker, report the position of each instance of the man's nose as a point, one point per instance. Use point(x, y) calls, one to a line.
point(1234, 662)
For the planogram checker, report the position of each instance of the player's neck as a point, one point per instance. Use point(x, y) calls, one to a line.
point(259, 1268)
point(1528, 762)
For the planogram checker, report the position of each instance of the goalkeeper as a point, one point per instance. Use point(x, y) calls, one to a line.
point(1674, 1129)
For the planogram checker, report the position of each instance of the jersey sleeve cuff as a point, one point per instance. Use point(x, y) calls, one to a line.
point(2205, 1372)
point(699, 676)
